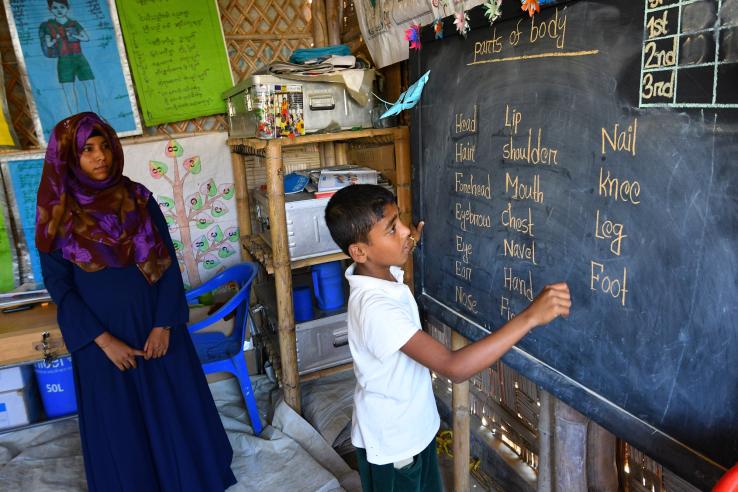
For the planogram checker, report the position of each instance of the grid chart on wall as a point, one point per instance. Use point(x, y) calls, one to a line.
point(690, 54)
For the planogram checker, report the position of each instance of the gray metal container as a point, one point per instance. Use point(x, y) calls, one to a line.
point(307, 232)
point(322, 343)
point(254, 112)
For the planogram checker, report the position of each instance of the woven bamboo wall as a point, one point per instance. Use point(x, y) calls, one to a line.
point(257, 32)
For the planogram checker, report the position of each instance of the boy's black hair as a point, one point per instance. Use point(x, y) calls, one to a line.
point(352, 212)
point(63, 2)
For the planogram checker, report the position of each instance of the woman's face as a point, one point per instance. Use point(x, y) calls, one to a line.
point(96, 158)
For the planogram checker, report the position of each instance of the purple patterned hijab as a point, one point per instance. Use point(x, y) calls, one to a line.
point(96, 224)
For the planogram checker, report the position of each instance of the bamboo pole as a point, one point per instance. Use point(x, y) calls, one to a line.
point(333, 21)
point(243, 211)
point(329, 154)
point(282, 274)
point(341, 149)
point(545, 443)
point(570, 449)
point(326, 372)
point(460, 403)
point(320, 33)
point(240, 183)
point(403, 176)
point(602, 471)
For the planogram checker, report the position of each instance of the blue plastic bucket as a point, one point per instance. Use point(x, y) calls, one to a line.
point(302, 300)
point(56, 385)
point(328, 285)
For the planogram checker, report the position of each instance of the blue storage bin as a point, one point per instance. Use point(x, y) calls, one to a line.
point(328, 285)
point(56, 385)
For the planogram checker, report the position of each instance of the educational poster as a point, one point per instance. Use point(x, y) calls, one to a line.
point(178, 57)
point(8, 260)
point(22, 174)
point(7, 133)
point(71, 53)
point(192, 179)
point(383, 23)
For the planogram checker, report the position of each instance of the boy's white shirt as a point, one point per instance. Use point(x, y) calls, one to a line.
point(395, 415)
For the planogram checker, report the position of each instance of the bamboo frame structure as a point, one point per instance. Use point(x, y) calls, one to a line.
point(271, 150)
point(461, 418)
point(320, 27)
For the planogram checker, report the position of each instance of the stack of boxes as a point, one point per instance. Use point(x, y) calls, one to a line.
point(19, 404)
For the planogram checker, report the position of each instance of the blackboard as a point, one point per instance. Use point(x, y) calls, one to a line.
point(596, 143)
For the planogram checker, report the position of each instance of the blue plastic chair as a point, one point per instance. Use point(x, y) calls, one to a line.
point(218, 352)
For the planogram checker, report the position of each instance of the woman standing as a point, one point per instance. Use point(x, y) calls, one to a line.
point(146, 415)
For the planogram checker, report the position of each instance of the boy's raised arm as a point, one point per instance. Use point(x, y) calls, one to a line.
point(460, 365)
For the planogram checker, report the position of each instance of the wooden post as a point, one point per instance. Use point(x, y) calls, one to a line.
point(329, 154)
point(602, 472)
point(243, 213)
point(333, 21)
point(341, 149)
point(545, 443)
point(570, 449)
point(240, 183)
point(460, 404)
point(282, 274)
point(320, 34)
point(403, 177)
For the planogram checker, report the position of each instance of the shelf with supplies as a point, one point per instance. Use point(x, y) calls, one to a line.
point(386, 150)
point(30, 335)
point(260, 250)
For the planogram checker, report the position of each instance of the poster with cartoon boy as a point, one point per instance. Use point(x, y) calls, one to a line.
point(72, 58)
point(61, 38)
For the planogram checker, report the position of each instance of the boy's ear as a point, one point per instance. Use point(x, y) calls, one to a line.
point(357, 252)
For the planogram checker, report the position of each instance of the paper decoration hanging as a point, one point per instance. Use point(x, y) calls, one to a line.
point(493, 10)
point(530, 6)
point(412, 34)
point(192, 179)
point(461, 21)
point(438, 28)
point(409, 98)
point(178, 58)
point(72, 60)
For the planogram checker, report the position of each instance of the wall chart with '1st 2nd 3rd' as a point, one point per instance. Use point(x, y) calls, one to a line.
point(594, 143)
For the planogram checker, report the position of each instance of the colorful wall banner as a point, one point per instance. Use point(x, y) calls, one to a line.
point(178, 57)
point(72, 58)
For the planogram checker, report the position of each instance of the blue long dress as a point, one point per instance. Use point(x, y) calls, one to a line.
point(153, 428)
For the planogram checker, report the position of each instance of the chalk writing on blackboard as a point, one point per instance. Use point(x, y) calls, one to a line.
point(530, 150)
point(689, 57)
point(548, 35)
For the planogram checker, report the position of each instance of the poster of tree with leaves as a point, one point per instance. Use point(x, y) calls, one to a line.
point(192, 180)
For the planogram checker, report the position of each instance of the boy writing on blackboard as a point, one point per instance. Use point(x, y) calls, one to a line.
point(395, 418)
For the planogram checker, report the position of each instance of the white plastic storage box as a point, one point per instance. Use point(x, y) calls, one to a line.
point(322, 343)
point(13, 378)
point(307, 232)
point(19, 404)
